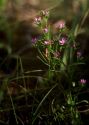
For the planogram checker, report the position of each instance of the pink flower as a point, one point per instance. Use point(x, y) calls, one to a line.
point(60, 24)
point(62, 41)
point(37, 20)
point(34, 40)
point(47, 42)
point(83, 81)
point(45, 30)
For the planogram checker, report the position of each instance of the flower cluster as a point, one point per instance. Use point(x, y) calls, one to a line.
point(47, 42)
point(54, 49)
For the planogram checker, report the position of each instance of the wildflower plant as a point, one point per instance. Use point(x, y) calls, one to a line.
point(56, 51)
point(61, 53)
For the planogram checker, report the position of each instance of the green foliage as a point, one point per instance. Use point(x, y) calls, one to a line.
point(2, 5)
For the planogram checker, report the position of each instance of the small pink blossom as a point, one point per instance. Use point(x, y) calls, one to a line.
point(37, 20)
point(62, 41)
point(47, 42)
point(34, 40)
point(45, 30)
point(83, 81)
point(60, 24)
